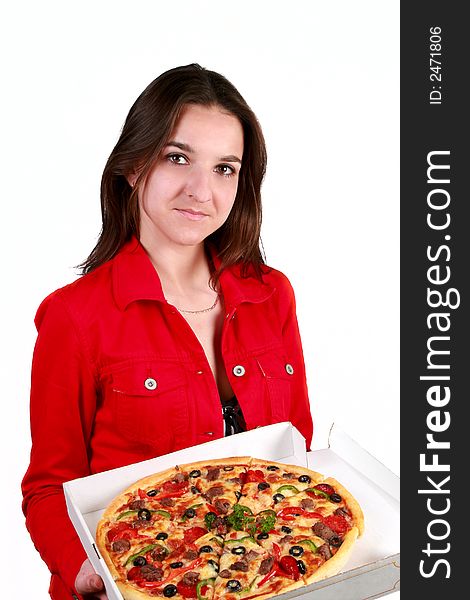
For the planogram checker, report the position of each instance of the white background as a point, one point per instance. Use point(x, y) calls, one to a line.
point(323, 79)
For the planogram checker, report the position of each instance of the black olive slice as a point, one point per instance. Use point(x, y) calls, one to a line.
point(152, 493)
point(190, 513)
point(278, 498)
point(335, 497)
point(286, 529)
point(161, 536)
point(170, 590)
point(296, 551)
point(228, 468)
point(239, 550)
point(272, 468)
point(233, 585)
point(206, 548)
point(262, 536)
point(302, 567)
point(304, 479)
point(263, 485)
point(176, 565)
point(195, 473)
point(213, 564)
point(144, 514)
point(140, 561)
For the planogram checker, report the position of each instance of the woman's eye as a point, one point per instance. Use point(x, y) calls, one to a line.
point(226, 170)
point(177, 159)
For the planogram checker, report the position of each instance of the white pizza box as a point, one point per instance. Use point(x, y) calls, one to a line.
point(373, 568)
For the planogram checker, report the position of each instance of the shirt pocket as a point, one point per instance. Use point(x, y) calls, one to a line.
point(150, 403)
point(277, 373)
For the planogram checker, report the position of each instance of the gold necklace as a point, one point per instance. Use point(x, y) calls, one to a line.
point(197, 312)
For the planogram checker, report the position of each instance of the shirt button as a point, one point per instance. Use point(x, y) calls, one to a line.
point(150, 383)
point(290, 369)
point(238, 370)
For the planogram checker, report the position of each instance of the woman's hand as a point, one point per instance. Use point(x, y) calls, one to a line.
point(88, 583)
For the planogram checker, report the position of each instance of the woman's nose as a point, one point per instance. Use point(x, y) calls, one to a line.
point(198, 185)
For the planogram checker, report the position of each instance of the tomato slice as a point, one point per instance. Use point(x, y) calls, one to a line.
point(174, 487)
point(289, 513)
point(290, 566)
point(187, 591)
point(175, 545)
point(324, 487)
point(252, 476)
point(134, 574)
point(194, 533)
point(122, 531)
point(337, 523)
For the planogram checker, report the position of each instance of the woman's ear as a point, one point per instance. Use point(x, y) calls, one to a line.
point(131, 179)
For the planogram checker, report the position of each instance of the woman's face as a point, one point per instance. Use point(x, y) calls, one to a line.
point(192, 187)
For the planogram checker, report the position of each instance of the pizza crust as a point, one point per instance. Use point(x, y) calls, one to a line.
point(335, 563)
point(131, 593)
point(293, 586)
point(101, 532)
point(218, 462)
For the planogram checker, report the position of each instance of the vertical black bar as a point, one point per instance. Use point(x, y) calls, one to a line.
point(435, 267)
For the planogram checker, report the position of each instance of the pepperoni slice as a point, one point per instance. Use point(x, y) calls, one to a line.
point(173, 487)
point(121, 531)
point(252, 476)
point(289, 565)
point(194, 533)
point(324, 487)
point(187, 591)
point(337, 523)
point(134, 574)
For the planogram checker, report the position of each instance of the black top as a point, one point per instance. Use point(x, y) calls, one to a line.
point(233, 416)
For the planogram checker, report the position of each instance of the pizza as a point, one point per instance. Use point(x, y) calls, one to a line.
point(234, 528)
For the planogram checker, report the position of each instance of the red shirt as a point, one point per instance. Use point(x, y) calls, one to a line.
point(119, 376)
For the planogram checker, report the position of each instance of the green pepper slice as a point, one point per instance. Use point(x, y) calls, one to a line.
point(247, 537)
point(285, 487)
point(143, 551)
point(164, 513)
point(201, 584)
point(310, 543)
point(267, 511)
point(247, 589)
point(318, 492)
point(126, 513)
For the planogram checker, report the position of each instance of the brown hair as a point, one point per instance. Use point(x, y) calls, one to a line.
point(146, 130)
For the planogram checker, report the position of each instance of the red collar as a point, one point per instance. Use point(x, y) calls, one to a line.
point(135, 278)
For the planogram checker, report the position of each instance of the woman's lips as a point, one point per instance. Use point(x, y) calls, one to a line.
point(192, 215)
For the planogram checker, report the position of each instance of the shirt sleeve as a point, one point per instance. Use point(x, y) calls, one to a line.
point(300, 412)
point(63, 400)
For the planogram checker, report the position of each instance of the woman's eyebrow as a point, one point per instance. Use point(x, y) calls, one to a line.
point(187, 148)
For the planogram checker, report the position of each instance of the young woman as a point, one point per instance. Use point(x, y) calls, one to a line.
point(177, 333)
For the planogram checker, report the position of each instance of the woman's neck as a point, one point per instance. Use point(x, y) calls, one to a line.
point(182, 269)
